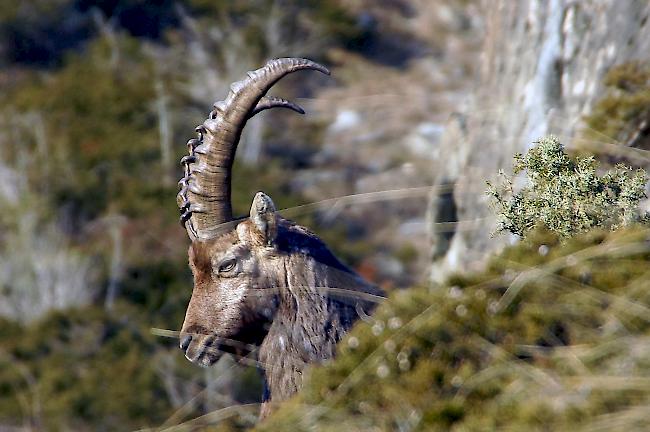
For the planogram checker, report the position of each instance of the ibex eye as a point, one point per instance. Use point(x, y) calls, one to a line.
point(227, 265)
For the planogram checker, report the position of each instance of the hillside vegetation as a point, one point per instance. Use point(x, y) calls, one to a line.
point(550, 336)
point(96, 102)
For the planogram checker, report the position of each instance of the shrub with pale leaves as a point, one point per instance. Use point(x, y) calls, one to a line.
point(566, 195)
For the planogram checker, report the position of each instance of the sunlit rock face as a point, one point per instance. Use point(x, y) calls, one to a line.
point(541, 72)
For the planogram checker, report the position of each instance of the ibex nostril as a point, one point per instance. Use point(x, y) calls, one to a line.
point(185, 342)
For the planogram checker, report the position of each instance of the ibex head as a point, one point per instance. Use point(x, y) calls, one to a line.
point(236, 263)
point(234, 296)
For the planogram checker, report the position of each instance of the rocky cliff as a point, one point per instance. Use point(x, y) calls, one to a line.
point(541, 72)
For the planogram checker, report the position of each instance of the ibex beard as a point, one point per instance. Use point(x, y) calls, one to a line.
point(262, 285)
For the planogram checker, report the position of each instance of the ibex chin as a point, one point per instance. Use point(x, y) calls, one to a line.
point(262, 284)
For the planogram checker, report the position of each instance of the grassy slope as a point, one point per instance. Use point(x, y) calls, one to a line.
point(550, 337)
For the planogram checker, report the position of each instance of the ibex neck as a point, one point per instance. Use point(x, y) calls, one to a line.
point(311, 318)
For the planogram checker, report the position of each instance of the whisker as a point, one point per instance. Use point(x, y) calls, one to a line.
point(175, 334)
point(240, 358)
point(253, 349)
point(365, 197)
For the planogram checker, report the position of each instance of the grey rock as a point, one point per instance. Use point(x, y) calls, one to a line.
point(541, 72)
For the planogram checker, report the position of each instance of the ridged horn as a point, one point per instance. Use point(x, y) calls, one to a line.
point(268, 102)
point(204, 197)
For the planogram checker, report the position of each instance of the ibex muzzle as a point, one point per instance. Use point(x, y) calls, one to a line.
point(262, 284)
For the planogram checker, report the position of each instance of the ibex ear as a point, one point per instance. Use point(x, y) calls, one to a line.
point(263, 218)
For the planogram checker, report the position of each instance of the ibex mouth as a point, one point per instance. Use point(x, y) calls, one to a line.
point(206, 358)
point(206, 350)
point(197, 349)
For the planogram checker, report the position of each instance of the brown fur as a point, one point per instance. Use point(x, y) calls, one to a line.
point(273, 287)
point(266, 286)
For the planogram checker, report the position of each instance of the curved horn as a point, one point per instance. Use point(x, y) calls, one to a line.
point(204, 197)
point(268, 102)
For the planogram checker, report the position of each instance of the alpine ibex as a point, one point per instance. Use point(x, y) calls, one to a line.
point(261, 283)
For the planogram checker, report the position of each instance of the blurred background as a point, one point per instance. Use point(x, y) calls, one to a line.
point(427, 100)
